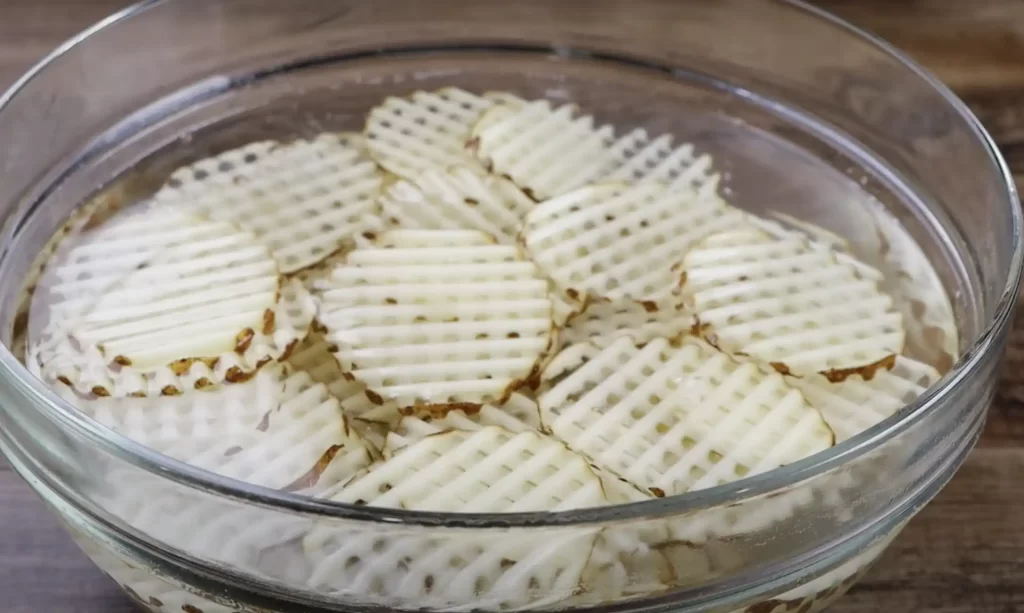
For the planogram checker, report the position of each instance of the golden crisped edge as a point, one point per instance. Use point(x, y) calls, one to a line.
point(459, 197)
point(799, 307)
point(544, 150)
point(427, 130)
point(477, 309)
point(304, 200)
point(485, 470)
point(159, 302)
point(854, 405)
point(618, 241)
point(675, 418)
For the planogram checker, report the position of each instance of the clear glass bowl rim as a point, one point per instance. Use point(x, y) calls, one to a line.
point(54, 407)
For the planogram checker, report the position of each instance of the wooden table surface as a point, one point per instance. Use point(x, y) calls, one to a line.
point(964, 553)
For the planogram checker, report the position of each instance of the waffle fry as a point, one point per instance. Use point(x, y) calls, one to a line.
point(642, 159)
point(194, 305)
point(619, 241)
point(304, 200)
point(792, 305)
point(519, 414)
point(855, 405)
point(426, 130)
point(546, 151)
point(479, 311)
point(277, 430)
point(485, 470)
point(675, 419)
point(460, 197)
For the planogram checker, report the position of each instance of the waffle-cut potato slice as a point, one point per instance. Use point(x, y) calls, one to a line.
point(752, 516)
point(157, 595)
point(790, 304)
point(65, 236)
point(240, 535)
point(427, 130)
point(87, 262)
point(206, 308)
point(479, 313)
point(855, 405)
point(304, 200)
point(674, 419)
point(485, 470)
point(641, 158)
point(619, 241)
point(277, 430)
point(146, 360)
point(623, 565)
point(784, 227)
point(460, 197)
point(315, 356)
point(519, 414)
point(306, 444)
point(173, 423)
point(544, 150)
point(602, 321)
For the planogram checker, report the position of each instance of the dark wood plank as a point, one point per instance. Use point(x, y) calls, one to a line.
point(960, 555)
point(41, 569)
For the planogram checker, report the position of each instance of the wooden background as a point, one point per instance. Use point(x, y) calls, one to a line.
point(963, 554)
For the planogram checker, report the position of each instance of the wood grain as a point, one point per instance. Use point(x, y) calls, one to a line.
point(960, 555)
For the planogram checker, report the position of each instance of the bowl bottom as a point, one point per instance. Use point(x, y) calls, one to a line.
point(154, 592)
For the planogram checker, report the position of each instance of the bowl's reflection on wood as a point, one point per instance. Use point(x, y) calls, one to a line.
point(960, 555)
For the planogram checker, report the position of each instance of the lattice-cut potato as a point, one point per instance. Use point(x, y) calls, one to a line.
point(190, 306)
point(603, 321)
point(427, 130)
point(855, 405)
point(673, 419)
point(486, 470)
point(519, 414)
point(279, 430)
point(437, 319)
point(639, 158)
point(791, 304)
point(621, 565)
point(785, 227)
point(88, 261)
point(600, 322)
point(304, 200)
point(81, 219)
point(242, 535)
point(618, 241)
point(315, 356)
point(459, 197)
point(543, 149)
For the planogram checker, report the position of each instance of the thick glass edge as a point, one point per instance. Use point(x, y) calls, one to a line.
point(180, 472)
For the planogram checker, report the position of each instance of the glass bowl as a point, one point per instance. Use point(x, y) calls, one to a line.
point(806, 114)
